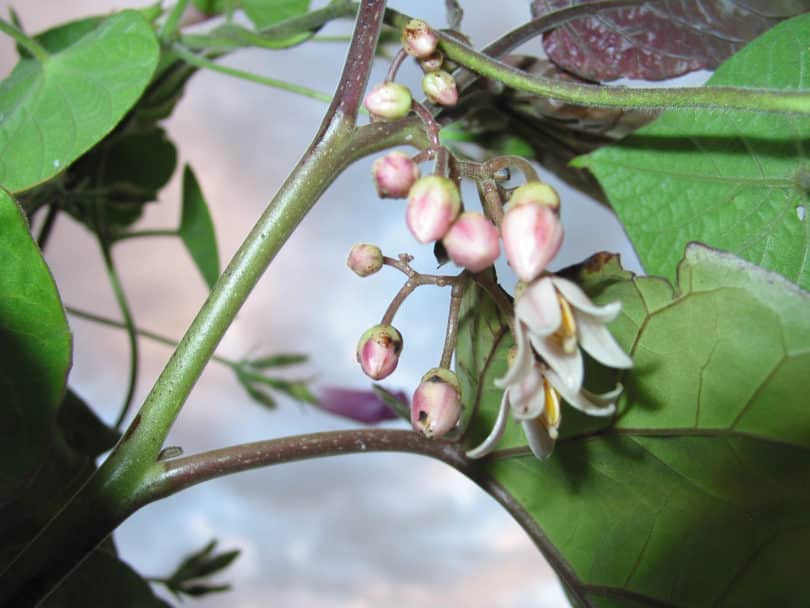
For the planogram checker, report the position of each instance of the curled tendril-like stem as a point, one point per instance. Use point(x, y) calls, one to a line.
point(396, 63)
point(516, 162)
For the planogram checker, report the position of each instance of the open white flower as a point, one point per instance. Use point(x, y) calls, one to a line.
point(554, 317)
point(560, 318)
point(532, 393)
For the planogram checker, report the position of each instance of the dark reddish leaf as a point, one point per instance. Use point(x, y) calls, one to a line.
point(659, 40)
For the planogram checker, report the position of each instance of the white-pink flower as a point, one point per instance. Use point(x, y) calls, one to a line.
point(553, 318)
point(560, 319)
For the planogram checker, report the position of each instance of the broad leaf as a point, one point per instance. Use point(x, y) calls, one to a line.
point(696, 495)
point(51, 113)
point(35, 349)
point(110, 184)
point(262, 13)
point(733, 180)
point(658, 40)
point(197, 229)
point(104, 580)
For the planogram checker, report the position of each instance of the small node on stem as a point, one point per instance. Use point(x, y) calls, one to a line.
point(364, 259)
point(433, 204)
point(388, 101)
point(394, 174)
point(436, 404)
point(418, 39)
point(472, 242)
point(440, 88)
point(378, 351)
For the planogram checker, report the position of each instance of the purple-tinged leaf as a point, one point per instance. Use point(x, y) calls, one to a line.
point(659, 40)
point(358, 404)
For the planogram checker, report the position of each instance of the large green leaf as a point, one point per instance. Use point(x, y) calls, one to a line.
point(53, 112)
point(696, 494)
point(263, 13)
point(734, 180)
point(197, 229)
point(35, 348)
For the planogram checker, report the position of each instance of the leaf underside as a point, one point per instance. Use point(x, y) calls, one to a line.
point(695, 494)
point(738, 181)
point(658, 40)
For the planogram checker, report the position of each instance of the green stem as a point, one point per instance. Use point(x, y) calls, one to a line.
point(109, 495)
point(169, 29)
point(711, 97)
point(129, 324)
point(143, 233)
point(29, 44)
point(144, 333)
point(202, 62)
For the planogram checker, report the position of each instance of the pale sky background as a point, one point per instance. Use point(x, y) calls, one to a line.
point(348, 532)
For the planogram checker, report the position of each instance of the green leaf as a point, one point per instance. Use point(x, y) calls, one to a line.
point(697, 494)
point(35, 348)
point(189, 576)
point(82, 430)
point(734, 180)
point(282, 360)
point(264, 13)
point(51, 113)
point(197, 229)
point(135, 166)
point(104, 580)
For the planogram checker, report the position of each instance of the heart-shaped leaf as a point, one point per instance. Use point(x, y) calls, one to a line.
point(53, 112)
point(695, 495)
point(35, 348)
point(738, 181)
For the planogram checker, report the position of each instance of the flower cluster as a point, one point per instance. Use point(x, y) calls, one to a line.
point(554, 321)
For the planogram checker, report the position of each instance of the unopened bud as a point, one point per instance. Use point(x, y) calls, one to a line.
point(532, 235)
point(433, 204)
point(440, 87)
point(364, 259)
point(436, 404)
point(389, 101)
point(472, 242)
point(538, 193)
point(378, 351)
point(432, 63)
point(394, 174)
point(418, 39)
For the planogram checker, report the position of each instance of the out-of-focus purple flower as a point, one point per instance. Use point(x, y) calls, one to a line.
point(358, 404)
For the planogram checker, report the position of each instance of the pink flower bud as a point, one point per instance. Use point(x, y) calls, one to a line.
point(472, 242)
point(364, 259)
point(389, 101)
point(394, 174)
point(418, 39)
point(433, 204)
point(432, 63)
point(436, 404)
point(535, 192)
point(440, 88)
point(378, 351)
point(532, 235)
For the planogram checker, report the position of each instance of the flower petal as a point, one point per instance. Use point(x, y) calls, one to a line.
point(568, 365)
point(523, 362)
point(527, 397)
point(538, 307)
point(579, 399)
point(604, 399)
point(540, 441)
point(495, 434)
point(580, 300)
point(597, 340)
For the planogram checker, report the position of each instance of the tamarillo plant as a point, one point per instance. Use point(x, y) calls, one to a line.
point(651, 434)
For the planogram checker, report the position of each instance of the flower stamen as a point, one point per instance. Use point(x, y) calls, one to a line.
point(551, 413)
point(566, 335)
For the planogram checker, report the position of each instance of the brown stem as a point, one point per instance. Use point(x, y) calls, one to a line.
point(491, 200)
point(452, 324)
point(415, 279)
point(431, 125)
point(396, 63)
point(500, 163)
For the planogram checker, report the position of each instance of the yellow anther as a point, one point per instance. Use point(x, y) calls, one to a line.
point(551, 413)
